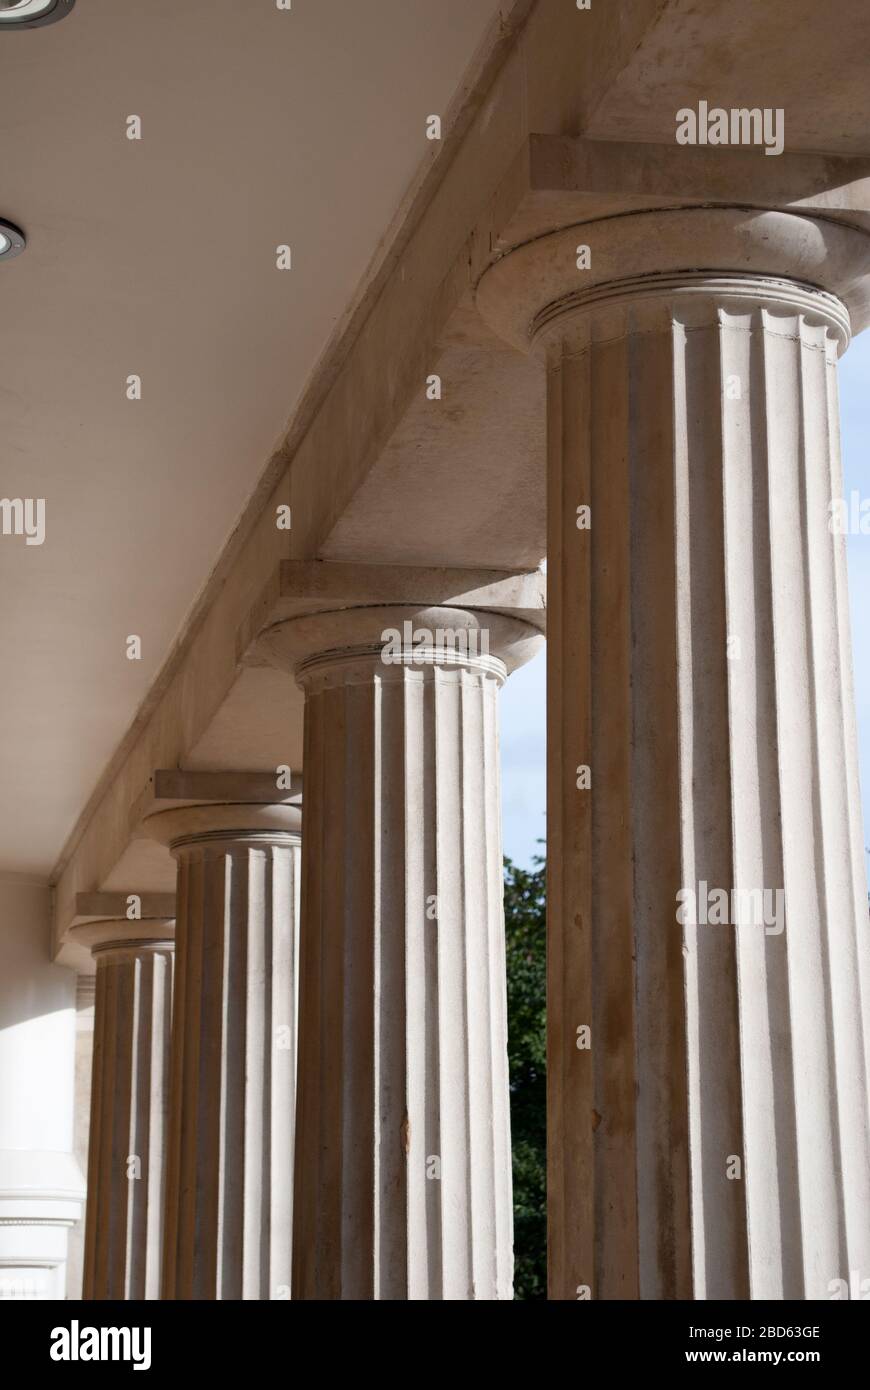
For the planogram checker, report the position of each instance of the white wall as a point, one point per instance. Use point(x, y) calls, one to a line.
point(41, 1185)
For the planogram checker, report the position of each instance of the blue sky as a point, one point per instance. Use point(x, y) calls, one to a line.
point(523, 760)
point(523, 736)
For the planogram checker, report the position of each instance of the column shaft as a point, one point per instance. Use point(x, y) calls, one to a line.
point(229, 1193)
point(403, 1164)
point(713, 1141)
point(129, 1100)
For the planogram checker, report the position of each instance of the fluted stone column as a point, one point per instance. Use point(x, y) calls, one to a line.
point(709, 1134)
point(229, 1183)
point(129, 1101)
point(403, 1164)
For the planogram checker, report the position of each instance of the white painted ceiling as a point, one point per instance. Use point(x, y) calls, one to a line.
point(260, 127)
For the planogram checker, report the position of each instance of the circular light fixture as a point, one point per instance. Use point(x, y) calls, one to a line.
point(12, 241)
point(28, 14)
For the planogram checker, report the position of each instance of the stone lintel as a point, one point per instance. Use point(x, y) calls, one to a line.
point(559, 180)
point(91, 907)
point(300, 588)
point(172, 787)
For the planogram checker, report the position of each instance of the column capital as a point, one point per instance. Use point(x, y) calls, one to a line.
point(121, 935)
point(810, 266)
point(242, 821)
point(354, 643)
point(335, 614)
point(102, 921)
point(183, 807)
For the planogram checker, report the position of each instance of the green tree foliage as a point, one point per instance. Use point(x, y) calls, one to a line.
point(525, 921)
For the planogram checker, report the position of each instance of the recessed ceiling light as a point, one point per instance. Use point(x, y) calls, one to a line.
point(27, 14)
point(12, 241)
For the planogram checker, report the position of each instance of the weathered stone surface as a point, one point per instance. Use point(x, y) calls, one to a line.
point(229, 1177)
point(129, 1105)
point(712, 1141)
point(403, 1166)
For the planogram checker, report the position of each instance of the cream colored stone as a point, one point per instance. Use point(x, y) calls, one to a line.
point(129, 1105)
point(699, 664)
point(371, 471)
point(229, 1189)
point(403, 1165)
